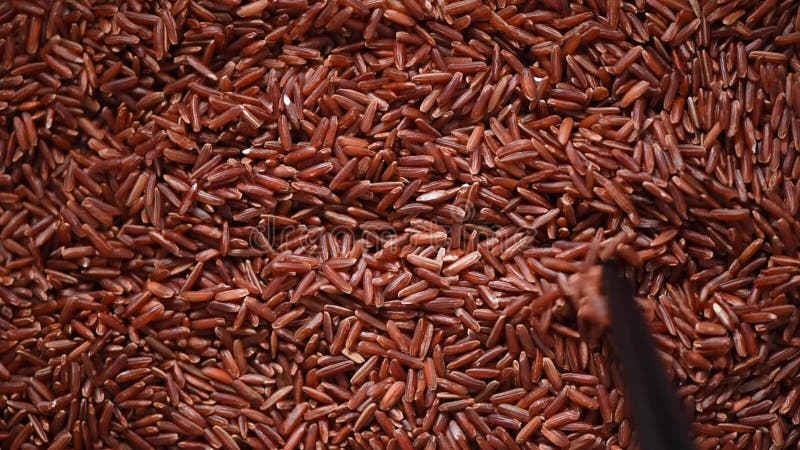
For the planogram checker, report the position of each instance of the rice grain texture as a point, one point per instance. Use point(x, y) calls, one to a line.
point(359, 224)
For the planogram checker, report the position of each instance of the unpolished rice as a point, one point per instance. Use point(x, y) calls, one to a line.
point(376, 224)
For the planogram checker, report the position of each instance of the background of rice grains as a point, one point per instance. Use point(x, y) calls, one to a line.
point(351, 223)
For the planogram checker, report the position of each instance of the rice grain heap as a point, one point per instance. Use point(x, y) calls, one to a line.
point(351, 223)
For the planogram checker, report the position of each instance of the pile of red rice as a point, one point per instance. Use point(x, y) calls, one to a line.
point(350, 224)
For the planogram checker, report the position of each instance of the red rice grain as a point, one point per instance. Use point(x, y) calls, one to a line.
point(364, 224)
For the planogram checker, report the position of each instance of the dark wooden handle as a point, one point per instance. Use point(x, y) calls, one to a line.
point(650, 396)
